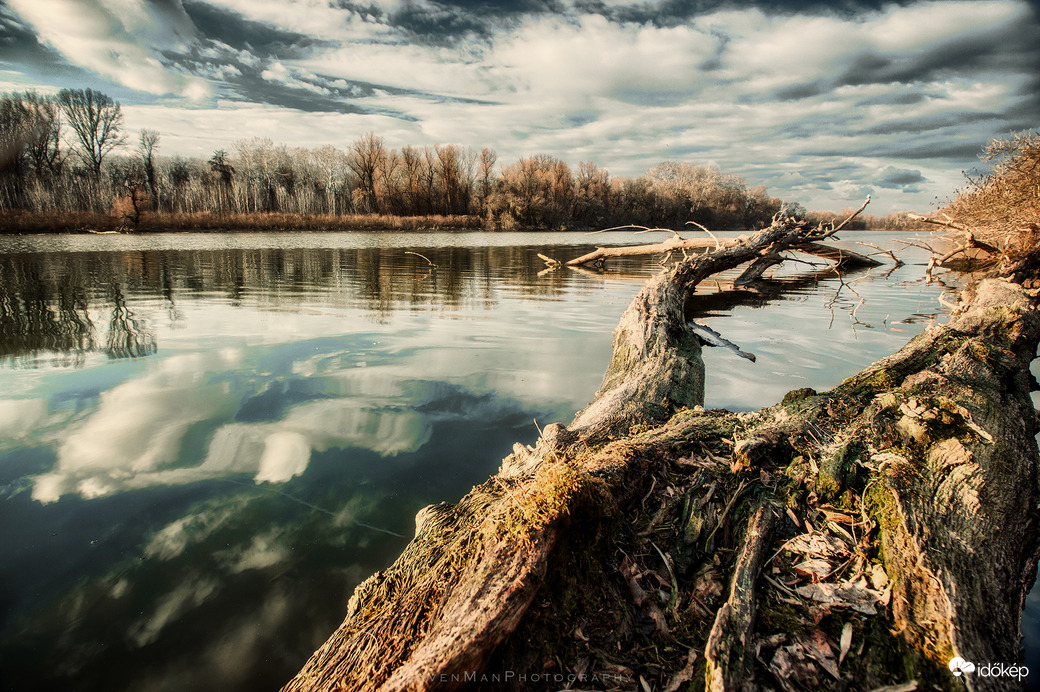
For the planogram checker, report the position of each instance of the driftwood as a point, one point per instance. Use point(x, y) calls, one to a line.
point(857, 539)
point(842, 258)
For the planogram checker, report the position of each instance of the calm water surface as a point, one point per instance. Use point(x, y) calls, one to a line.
point(207, 441)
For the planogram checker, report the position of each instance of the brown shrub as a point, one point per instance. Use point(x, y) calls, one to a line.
point(1002, 208)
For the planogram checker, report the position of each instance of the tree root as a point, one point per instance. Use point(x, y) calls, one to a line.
point(729, 650)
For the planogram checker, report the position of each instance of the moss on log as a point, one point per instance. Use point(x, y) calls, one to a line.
point(850, 540)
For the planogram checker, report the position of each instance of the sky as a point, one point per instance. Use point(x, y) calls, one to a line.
point(821, 102)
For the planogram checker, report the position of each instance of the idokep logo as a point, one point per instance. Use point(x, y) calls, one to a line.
point(958, 665)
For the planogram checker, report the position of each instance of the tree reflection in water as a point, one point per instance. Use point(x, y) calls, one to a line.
point(128, 337)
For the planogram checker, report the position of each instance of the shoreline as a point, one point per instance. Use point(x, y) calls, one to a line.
point(52, 223)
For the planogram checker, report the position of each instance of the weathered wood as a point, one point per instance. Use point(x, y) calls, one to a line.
point(840, 256)
point(756, 269)
point(670, 245)
point(729, 651)
point(656, 364)
point(970, 241)
point(710, 337)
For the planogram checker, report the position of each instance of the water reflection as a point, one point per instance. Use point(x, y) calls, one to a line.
point(203, 451)
point(51, 304)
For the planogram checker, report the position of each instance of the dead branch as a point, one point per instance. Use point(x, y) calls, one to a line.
point(755, 270)
point(428, 260)
point(642, 229)
point(899, 262)
point(718, 245)
point(842, 257)
point(710, 337)
point(666, 246)
point(948, 223)
point(971, 242)
point(728, 651)
point(851, 216)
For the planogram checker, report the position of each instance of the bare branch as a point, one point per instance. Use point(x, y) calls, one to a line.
point(409, 252)
point(891, 254)
point(718, 245)
point(846, 221)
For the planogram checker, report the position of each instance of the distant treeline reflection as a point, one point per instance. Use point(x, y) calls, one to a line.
point(63, 306)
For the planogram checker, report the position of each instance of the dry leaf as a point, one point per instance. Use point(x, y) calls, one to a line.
point(839, 516)
point(684, 675)
point(819, 649)
point(815, 569)
point(878, 578)
point(911, 408)
point(818, 545)
point(845, 595)
point(782, 664)
point(631, 573)
point(846, 642)
point(842, 533)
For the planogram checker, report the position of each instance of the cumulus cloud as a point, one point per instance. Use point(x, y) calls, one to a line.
point(136, 429)
point(896, 178)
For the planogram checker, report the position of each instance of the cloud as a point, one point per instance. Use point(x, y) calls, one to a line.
point(19, 418)
point(228, 27)
point(317, 19)
point(171, 607)
point(896, 178)
point(752, 87)
point(119, 39)
point(172, 540)
point(264, 550)
point(136, 430)
point(133, 439)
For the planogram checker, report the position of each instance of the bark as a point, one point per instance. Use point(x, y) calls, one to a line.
point(656, 365)
point(729, 652)
point(841, 256)
point(854, 539)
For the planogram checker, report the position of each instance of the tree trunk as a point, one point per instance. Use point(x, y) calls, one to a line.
point(848, 540)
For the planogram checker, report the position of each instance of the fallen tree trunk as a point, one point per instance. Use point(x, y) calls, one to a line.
point(841, 257)
point(864, 536)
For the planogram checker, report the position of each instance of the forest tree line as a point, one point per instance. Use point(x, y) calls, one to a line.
point(69, 153)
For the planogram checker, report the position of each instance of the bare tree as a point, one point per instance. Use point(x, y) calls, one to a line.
point(224, 172)
point(330, 164)
point(486, 164)
point(43, 144)
point(97, 121)
point(364, 158)
point(146, 146)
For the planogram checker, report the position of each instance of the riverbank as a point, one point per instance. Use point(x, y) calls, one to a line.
point(18, 222)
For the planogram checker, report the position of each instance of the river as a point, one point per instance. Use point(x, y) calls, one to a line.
point(208, 440)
